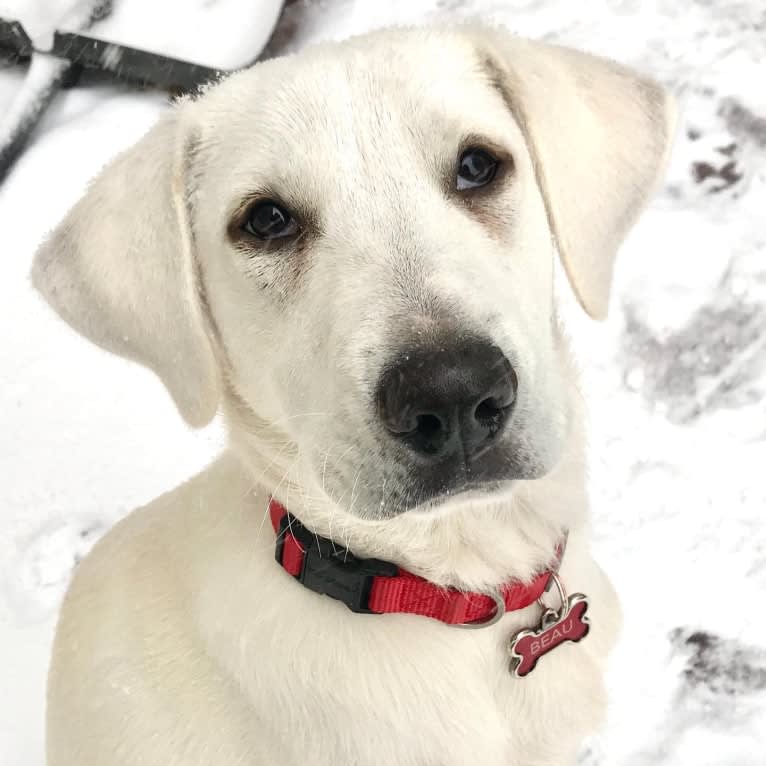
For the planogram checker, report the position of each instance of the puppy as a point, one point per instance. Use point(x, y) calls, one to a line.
point(349, 253)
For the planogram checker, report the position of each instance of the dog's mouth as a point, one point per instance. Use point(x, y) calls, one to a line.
point(471, 491)
point(437, 488)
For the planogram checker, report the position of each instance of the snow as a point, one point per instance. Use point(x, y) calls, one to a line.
point(677, 378)
point(223, 34)
point(43, 72)
point(42, 17)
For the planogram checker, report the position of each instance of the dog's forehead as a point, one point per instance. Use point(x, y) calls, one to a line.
point(358, 103)
point(400, 66)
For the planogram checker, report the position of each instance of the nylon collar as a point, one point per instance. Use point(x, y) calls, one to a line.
point(372, 586)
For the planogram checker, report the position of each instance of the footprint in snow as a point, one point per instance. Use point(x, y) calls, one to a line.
point(41, 566)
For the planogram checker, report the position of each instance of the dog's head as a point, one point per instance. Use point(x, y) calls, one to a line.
point(352, 248)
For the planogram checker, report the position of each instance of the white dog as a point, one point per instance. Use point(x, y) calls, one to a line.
point(350, 253)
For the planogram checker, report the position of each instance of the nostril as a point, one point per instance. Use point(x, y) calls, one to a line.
point(502, 397)
point(425, 433)
point(492, 412)
point(428, 426)
point(429, 436)
point(488, 410)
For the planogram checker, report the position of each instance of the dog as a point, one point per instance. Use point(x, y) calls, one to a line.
point(349, 253)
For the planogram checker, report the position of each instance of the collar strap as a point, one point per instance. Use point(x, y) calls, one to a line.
point(372, 586)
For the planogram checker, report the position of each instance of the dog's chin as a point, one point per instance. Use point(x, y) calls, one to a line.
point(437, 489)
point(490, 481)
point(494, 494)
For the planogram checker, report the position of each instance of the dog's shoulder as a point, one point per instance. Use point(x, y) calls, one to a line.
point(144, 563)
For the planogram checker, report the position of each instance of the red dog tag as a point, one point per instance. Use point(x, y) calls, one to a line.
point(556, 627)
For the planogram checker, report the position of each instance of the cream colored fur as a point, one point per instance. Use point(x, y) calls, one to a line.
point(181, 641)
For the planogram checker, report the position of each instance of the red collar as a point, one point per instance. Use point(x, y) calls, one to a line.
point(378, 587)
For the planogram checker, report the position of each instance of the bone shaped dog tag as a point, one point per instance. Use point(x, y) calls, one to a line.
point(556, 627)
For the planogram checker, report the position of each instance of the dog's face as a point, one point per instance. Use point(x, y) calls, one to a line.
point(378, 292)
point(355, 248)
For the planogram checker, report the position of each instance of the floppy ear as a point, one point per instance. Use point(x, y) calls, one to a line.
point(599, 136)
point(121, 269)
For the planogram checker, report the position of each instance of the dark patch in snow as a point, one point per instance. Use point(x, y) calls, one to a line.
point(719, 692)
point(721, 146)
point(727, 173)
point(742, 121)
point(723, 666)
point(729, 150)
point(715, 361)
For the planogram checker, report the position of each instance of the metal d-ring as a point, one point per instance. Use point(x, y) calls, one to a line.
point(497, 597)
point(562, 595)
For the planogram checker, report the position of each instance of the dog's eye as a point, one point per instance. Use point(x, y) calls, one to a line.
point(269, 220)
point(476, 168)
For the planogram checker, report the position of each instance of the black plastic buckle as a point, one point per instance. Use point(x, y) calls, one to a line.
point(332, 570)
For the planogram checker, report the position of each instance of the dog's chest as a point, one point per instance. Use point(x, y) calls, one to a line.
point(414, 693)
point(454, 699)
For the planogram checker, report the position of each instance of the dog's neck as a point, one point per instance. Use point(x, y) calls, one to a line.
point(472, 545)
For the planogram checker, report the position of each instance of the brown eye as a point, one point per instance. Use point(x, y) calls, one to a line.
point(476, 168)
point(269, 220)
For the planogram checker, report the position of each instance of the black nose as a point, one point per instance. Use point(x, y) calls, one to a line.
point(449, 398)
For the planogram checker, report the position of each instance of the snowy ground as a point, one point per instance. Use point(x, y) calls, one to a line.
point(678, 375)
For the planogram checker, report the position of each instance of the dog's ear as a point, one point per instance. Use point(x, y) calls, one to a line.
point(599, 136)
point(121, 267)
